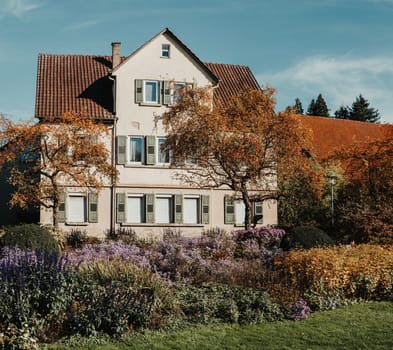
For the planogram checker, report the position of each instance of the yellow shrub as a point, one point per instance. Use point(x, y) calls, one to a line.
point(364, 270)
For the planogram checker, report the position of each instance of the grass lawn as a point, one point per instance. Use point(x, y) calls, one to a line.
point(362, 326)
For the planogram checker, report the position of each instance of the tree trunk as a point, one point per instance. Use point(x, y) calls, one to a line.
point(247, 211)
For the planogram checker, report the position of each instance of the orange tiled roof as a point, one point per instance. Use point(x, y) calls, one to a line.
point(331, 134)
point(81, 83)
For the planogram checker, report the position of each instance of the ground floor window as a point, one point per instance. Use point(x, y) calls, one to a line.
point(162, 208)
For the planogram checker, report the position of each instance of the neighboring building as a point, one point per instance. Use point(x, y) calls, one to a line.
point(331, 134)
point(129, 94)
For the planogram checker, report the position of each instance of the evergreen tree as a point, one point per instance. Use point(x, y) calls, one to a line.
point(318, 107)
point(343, 112)
point(362, 111)
point(311, 108)
point(298, 106)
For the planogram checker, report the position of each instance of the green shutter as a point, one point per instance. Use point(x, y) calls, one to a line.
point(120, 207)
point(229, 207)
point(205, 210)
point(150, 150)
point(138, 91)
point(61, 211)
point(178, 209)
point(258, 210)
point(93, 204)
point(121, 149)
point(149, 202)
point(167, 92)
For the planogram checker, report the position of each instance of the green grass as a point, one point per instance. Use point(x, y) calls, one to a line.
point(361, 326)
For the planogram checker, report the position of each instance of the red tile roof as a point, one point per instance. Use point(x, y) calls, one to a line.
point(73, 83)
point(81, 83)
point(233, 80)
point(330, 134)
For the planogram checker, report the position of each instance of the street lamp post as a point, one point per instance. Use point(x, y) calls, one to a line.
point(332, 179)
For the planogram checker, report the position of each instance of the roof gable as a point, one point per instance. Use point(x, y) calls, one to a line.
point(167, 33)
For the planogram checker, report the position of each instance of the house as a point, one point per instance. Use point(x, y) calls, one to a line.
point(129, 94)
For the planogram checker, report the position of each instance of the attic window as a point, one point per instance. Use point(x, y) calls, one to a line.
point(165, 50)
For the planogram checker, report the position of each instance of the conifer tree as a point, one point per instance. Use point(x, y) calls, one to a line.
point(318, 107)
point(298, 106)
point(343, 112)
point(362, 111)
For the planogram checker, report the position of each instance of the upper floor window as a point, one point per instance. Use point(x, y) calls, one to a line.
point(178, 91)
point(136, 149)
point(163, 154)
point(165, 50)
point(147, 91)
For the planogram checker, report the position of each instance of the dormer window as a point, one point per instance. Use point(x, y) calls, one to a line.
point(165, 50)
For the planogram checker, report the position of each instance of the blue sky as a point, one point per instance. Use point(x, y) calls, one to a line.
point(340, 48)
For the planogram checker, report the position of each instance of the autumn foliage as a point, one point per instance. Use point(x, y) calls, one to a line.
point(44, 157)
point(367, 205)
point(241, 146)
point(351, 271)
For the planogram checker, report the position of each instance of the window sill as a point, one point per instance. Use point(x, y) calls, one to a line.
point(68, 223)
point(128, 224)
point(150, 104)
point(140, 165)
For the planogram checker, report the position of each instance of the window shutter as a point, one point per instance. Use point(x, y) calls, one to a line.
point(150, 150)
point(229, 207)
point(120, 207)
point(138, 91)
point(167, 92)
point(121, 147)
point(205, 209)
point(258, 210)
point(61, 211)
point(93, 210)
point(178, 209)
point(149, 200)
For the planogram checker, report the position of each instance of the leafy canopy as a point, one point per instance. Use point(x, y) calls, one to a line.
point(240, 146)
point(43, 157)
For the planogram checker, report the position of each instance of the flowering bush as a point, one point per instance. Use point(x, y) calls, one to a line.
point(300, 310)
point(261, 242)
point(106, 252)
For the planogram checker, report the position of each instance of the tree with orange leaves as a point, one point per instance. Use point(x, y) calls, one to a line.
point(367, 205)
point(241, 146)
point(42, 158)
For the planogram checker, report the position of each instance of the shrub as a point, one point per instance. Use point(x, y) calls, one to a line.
point(300, 310)
point(261, 242)
point(340, 273)
point(210, 303)
point(308, 237)
point(34, 294)
point(76, 238)
point(29, 237)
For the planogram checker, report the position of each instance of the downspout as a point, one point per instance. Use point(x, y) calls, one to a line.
point(113, 161)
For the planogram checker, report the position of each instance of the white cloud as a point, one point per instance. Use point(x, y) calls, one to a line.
point(339, 79)
point(84, 24)
point(17, 8)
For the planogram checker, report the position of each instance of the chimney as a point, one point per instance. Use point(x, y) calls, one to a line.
point(115, 54)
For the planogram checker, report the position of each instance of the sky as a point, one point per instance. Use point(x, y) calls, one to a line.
point(339, 48)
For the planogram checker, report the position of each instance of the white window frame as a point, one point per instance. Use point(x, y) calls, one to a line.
point(128, 150)
point(141, 208)
point(175, 91)
point(83, 196)
point(155, 101)
point(197, 213)
point(240, 211)
point(169, 197)
point(165, 50)
point(161, 154)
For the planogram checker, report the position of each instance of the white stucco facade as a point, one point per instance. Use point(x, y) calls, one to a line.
point(147, 197)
